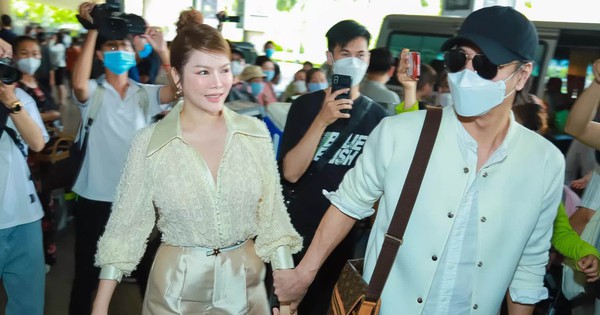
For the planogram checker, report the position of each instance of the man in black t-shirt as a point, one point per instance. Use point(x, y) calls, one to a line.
point(313, 124)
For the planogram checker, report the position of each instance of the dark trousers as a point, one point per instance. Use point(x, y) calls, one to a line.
point(90, 219)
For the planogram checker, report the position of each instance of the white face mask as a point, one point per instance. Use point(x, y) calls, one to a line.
point(236, 68)
point(445, 99)
point(300, 86)
point(473, 95)
point(352, 67)
point(29, 65)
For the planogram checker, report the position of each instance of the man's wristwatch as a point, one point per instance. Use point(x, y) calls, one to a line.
point(15, 107)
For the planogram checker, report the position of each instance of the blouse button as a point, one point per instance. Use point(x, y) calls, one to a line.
point(465, 170)
point(485, 174)
point(480, 264)
point(450, 215)
point(434, 258)
point(419, 300)
point(475, 306)
point(483, 219)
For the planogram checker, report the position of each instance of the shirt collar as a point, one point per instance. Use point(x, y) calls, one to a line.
point(468, 145)
point(169, 128)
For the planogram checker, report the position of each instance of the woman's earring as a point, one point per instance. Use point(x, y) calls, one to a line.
point(179, 92)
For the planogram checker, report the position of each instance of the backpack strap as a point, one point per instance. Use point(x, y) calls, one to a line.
point(144, 102)
point(88, 119)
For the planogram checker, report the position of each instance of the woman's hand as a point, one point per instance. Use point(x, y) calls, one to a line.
point(402, 72)
point(589, 266)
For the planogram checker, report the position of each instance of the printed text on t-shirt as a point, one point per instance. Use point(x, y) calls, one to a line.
point(347, 153)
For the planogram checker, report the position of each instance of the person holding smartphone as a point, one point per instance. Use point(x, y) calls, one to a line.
point(314, 122)
point(482, 222)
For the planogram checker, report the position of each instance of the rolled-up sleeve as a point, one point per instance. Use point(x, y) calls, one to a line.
point(363, 185)
point(527, 286)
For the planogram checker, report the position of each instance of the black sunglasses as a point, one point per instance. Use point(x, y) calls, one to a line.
point(455, 60)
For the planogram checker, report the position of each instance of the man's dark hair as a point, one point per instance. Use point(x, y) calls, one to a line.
point(6, 20)
point(428, 75)
point(23, 38)
point(381, 61)
point(344, 32)
point(41, 37)
point(310, 73)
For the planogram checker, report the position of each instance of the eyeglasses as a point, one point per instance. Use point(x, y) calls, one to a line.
point(455, 60)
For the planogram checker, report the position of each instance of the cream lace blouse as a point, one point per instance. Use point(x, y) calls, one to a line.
point(164, 172)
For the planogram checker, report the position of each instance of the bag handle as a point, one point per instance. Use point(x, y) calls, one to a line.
point(406, 202)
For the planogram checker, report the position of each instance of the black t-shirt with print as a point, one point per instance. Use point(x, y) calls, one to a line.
point(310, 205)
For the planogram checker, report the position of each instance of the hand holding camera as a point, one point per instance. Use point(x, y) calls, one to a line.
point(109, 20)
point(5, 49)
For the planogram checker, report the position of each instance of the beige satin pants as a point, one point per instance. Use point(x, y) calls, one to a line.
point(184, 280)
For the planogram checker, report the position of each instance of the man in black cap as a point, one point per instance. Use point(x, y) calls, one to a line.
point(481, 226)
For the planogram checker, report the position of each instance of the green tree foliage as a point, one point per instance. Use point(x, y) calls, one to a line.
point(35, 12)
point(286, 5)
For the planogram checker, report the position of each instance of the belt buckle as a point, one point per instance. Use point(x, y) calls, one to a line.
point(215, 252)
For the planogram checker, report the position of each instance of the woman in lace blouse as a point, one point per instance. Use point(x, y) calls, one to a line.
point(209, 175)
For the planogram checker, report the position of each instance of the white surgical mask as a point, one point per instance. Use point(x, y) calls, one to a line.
point(445, 99)
point(300, 86)
point(236, 68)
point(352, 67)
point(29, 65)
point(473, 95)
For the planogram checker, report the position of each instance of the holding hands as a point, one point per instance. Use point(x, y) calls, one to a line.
point(290, 287)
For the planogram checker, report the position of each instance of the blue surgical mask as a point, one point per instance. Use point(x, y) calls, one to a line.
point(146, 51)
point(257, 88)
point(317, 86)
point(270, 75)
point(119, 62)
point(269, 52)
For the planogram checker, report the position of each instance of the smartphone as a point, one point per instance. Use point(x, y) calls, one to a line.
point(414, 65)
point(339, 82)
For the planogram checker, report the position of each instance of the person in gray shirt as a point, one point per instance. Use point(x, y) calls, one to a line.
point(381, 69)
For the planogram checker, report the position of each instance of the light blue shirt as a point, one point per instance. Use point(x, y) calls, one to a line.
point(454, 279)
point(19, 203)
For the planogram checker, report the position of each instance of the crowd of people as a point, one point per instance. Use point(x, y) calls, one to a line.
point(189, 197)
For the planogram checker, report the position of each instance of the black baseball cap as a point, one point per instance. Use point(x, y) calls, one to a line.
point(502, 33)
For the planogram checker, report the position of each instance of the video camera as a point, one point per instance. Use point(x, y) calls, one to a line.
point(9, 74)
point(223, 17)
point(112, 23)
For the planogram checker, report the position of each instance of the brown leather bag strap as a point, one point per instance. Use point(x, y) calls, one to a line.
point(406, 202)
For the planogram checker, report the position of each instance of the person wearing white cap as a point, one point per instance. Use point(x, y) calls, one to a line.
point(481, 225)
